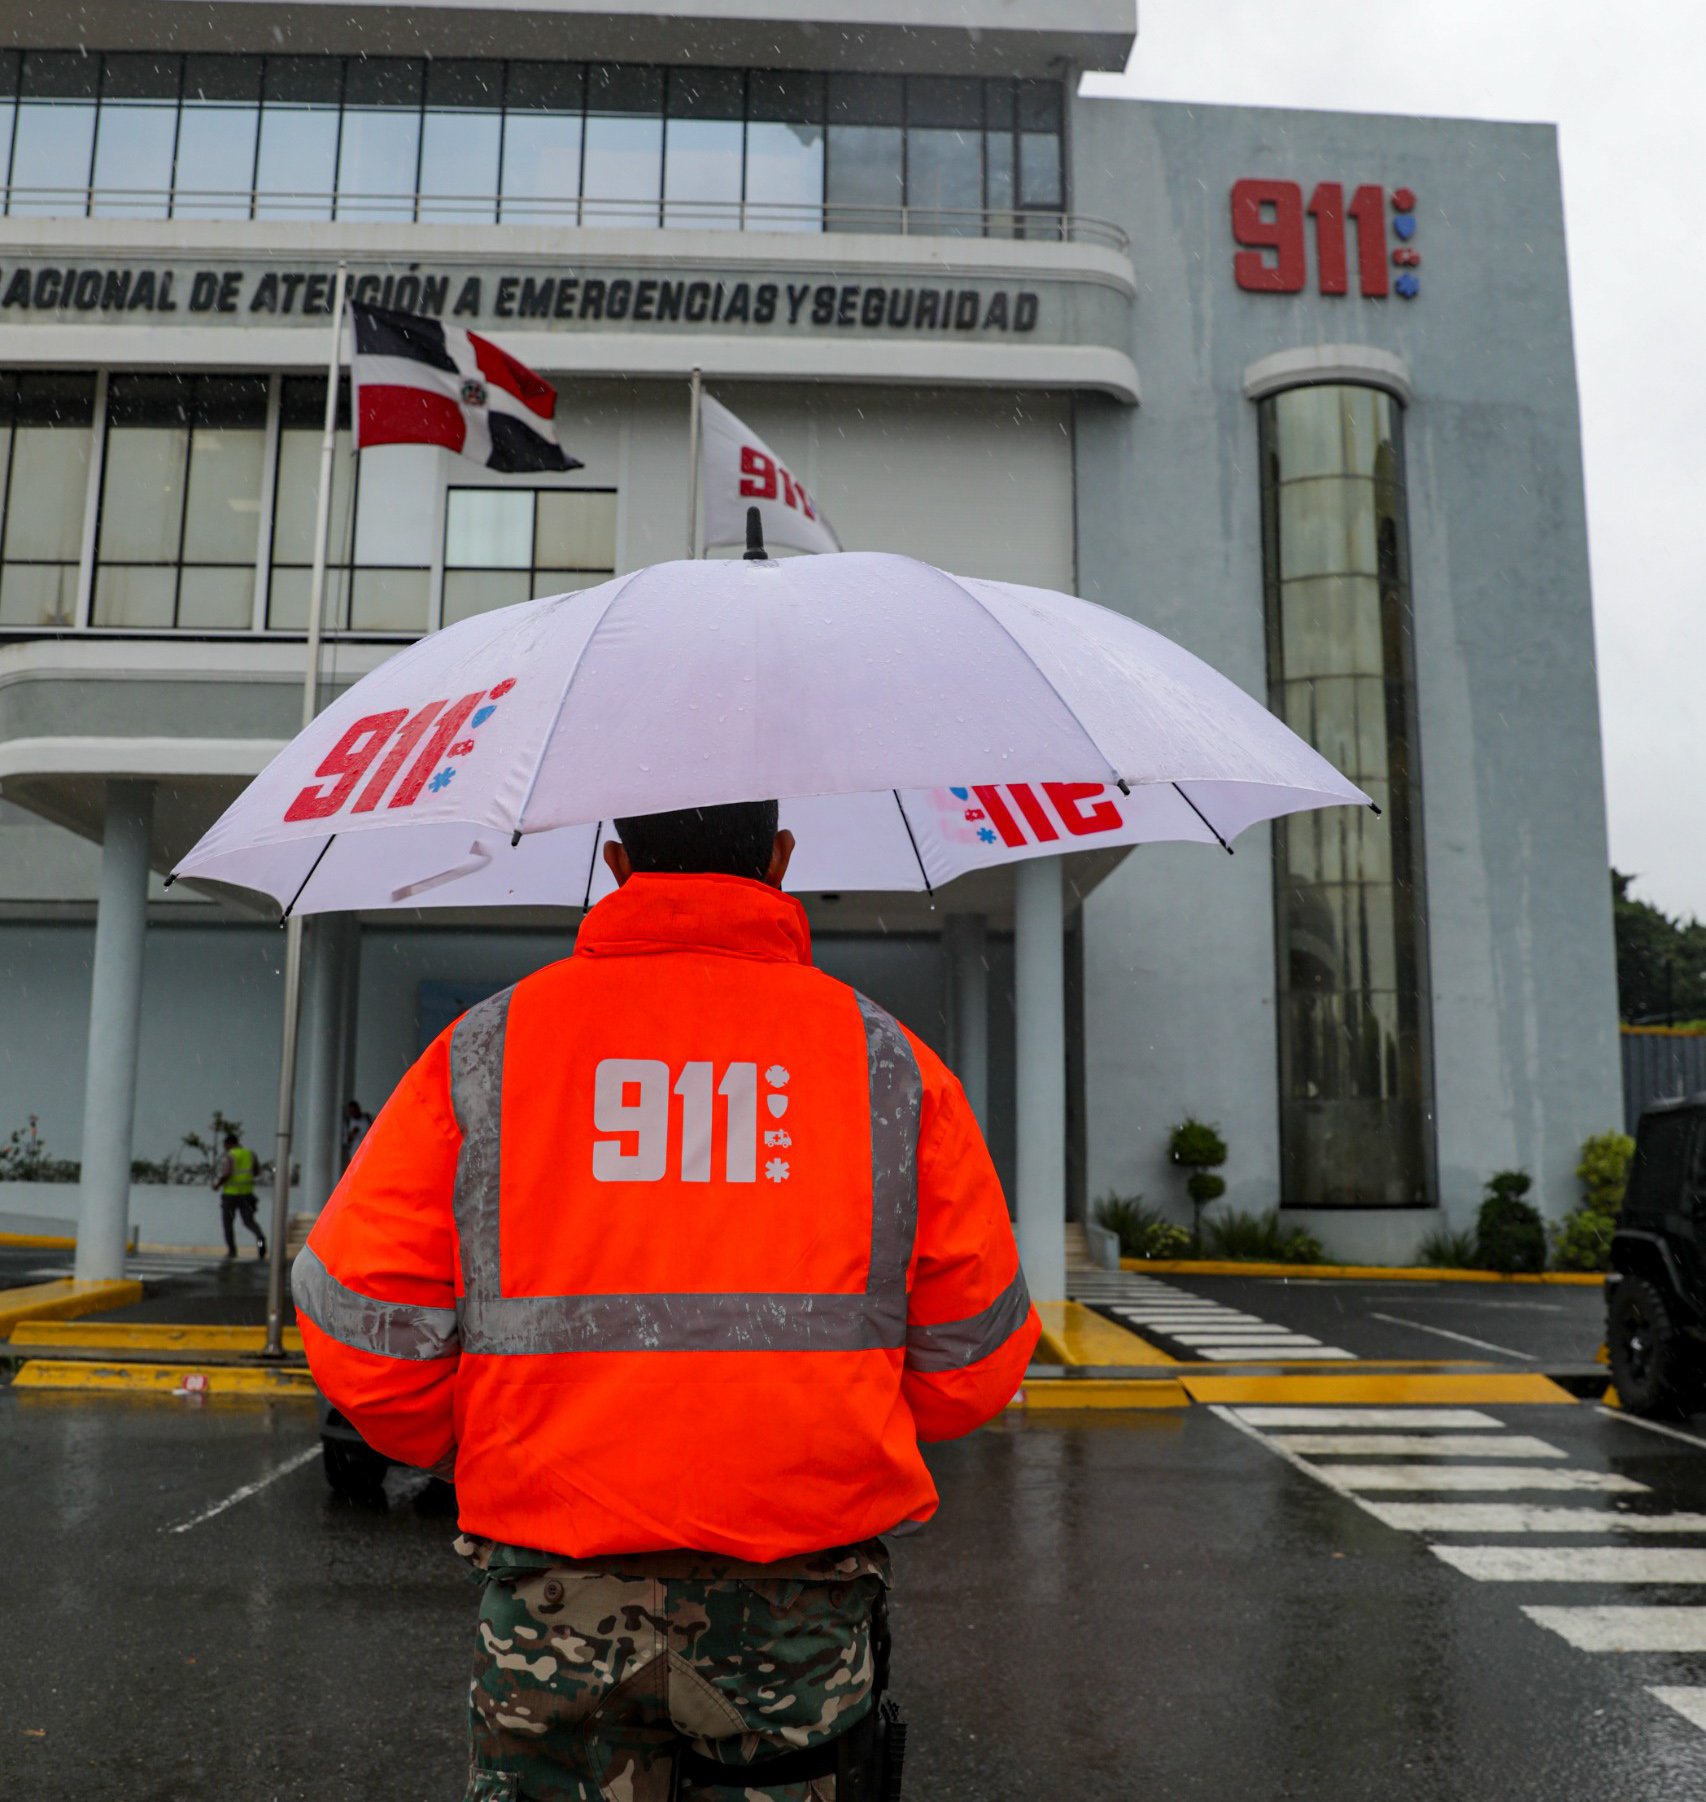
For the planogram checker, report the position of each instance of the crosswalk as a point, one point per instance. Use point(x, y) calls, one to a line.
point(1193, 1327)
point(143, 1266)
point(1437, 1453)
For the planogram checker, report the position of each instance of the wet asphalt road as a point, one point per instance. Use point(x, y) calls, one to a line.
point(1541, 1325)
point(1125, 1607)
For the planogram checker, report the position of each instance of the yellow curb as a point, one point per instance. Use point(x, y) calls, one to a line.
point(1075, 1334)
point(161, 1379)
point(149, 1335)
point(65, 1299)
point(1101, 1392)
point(1389, 1387)
point(1404, 1273)
point(38, 1241)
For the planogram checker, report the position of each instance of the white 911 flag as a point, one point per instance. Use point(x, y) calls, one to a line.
point(739, 470)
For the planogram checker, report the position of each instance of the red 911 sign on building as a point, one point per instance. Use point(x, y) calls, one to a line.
point(1269, 221)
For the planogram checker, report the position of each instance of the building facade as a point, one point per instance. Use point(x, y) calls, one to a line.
point(1296, 389)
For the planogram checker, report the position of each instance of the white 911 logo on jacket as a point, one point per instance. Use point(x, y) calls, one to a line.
point(633, 1100)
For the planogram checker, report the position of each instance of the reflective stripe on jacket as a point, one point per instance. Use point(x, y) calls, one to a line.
point(678, 1243)
point(240, 1180)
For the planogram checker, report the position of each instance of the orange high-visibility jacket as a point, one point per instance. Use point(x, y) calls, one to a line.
point(677, 1243)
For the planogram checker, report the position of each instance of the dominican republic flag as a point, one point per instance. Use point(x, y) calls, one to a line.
point(419, 382)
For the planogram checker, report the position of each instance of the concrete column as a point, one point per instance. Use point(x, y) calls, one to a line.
point(1039, 992)
point(115, 1029)
point(321, 1105)
point(965, 938)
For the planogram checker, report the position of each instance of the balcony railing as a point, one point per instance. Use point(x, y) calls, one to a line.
point(1030, 224)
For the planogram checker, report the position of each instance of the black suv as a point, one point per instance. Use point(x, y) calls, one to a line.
point(1655, 1293)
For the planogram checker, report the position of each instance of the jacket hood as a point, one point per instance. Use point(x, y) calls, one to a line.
point(652, 915)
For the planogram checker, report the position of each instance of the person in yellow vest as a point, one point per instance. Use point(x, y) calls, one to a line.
point(236, 1185)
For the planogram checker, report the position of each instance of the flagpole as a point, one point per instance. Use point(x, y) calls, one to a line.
point(695, 389)
point(293, 926)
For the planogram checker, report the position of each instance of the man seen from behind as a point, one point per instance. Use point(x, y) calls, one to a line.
point(674, 1253)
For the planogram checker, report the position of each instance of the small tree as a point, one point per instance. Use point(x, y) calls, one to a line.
point(1604, 1171)
point(1509, 1234)
point(1199, 1149)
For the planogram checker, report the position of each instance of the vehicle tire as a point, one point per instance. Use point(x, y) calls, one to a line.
point(1650, 1359)
point(355, 1472)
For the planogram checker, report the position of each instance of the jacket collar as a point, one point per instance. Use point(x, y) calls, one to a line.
point(653, 915)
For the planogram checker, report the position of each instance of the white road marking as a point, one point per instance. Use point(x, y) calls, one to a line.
point(1658, 1629)
point(1525, 1517)
point(1420, 1418)
point(1439, 1332)
point(1254, 1354)
point(1689, 1702)
point(1235, 1335)
point(249, 1489)
point(1577, 1563)
point(1418, 1445)
point(1486, 1477)
point(1651, 1426)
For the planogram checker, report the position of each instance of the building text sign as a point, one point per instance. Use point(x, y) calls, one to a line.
point(558, 299)
point(1269, 223)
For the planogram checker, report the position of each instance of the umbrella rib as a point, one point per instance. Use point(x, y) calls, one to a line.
point(1203, 817)
point(307, 879)
point(911, 840)
point(592, 865)
point(562, 702)
point(1066, 707)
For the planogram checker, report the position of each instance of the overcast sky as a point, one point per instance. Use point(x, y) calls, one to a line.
point(1624, 86)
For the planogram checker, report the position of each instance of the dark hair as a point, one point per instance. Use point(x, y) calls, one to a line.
point(735, 840)
point(232, 1139)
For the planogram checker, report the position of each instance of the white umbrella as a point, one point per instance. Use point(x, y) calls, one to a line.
point(915, 725)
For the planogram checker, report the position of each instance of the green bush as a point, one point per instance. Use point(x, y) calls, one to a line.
point(1262, 1238)
point(1142, 1232)
point(1195, 1146)
point(1444, 1249)
point(1582, 1240)
point(1509, 1234)
point(1604, 1172)
point(24, 1158)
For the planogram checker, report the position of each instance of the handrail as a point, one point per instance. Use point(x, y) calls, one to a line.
point(1030, 223)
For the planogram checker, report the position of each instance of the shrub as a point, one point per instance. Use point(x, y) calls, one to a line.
point(1142, 1232)
point(1444, 1249)
point(1509, 1234)
point(1262, 1238)
point(1604, 1171)
point(1582, 1240)
point(1198, 1148)
point(24, 1158)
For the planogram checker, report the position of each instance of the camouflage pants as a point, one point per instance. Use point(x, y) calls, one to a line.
point(586, 1678)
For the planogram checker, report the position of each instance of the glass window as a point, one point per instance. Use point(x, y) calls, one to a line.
point(1355, 1055)
point(8, 109)
point(135, 137)
point(296, 163)
point(180, 503)
point(784, 151)
point(460, 136)
point(379, 151)
point(45, 426)
point(704, 149)
point(488, 528)
point(542, 142)
point(576, 529)
point(622, 167)
point(217, 128)
point(504, 545)
point(55, 134)
point(396, 494)
point(302, 418)
point(865, 177)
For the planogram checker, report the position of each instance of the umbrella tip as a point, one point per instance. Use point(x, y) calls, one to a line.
point(1374, 808)
point(755, 551)
point(170, 880)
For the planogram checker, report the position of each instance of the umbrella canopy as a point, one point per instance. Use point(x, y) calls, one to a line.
point(915, 725)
